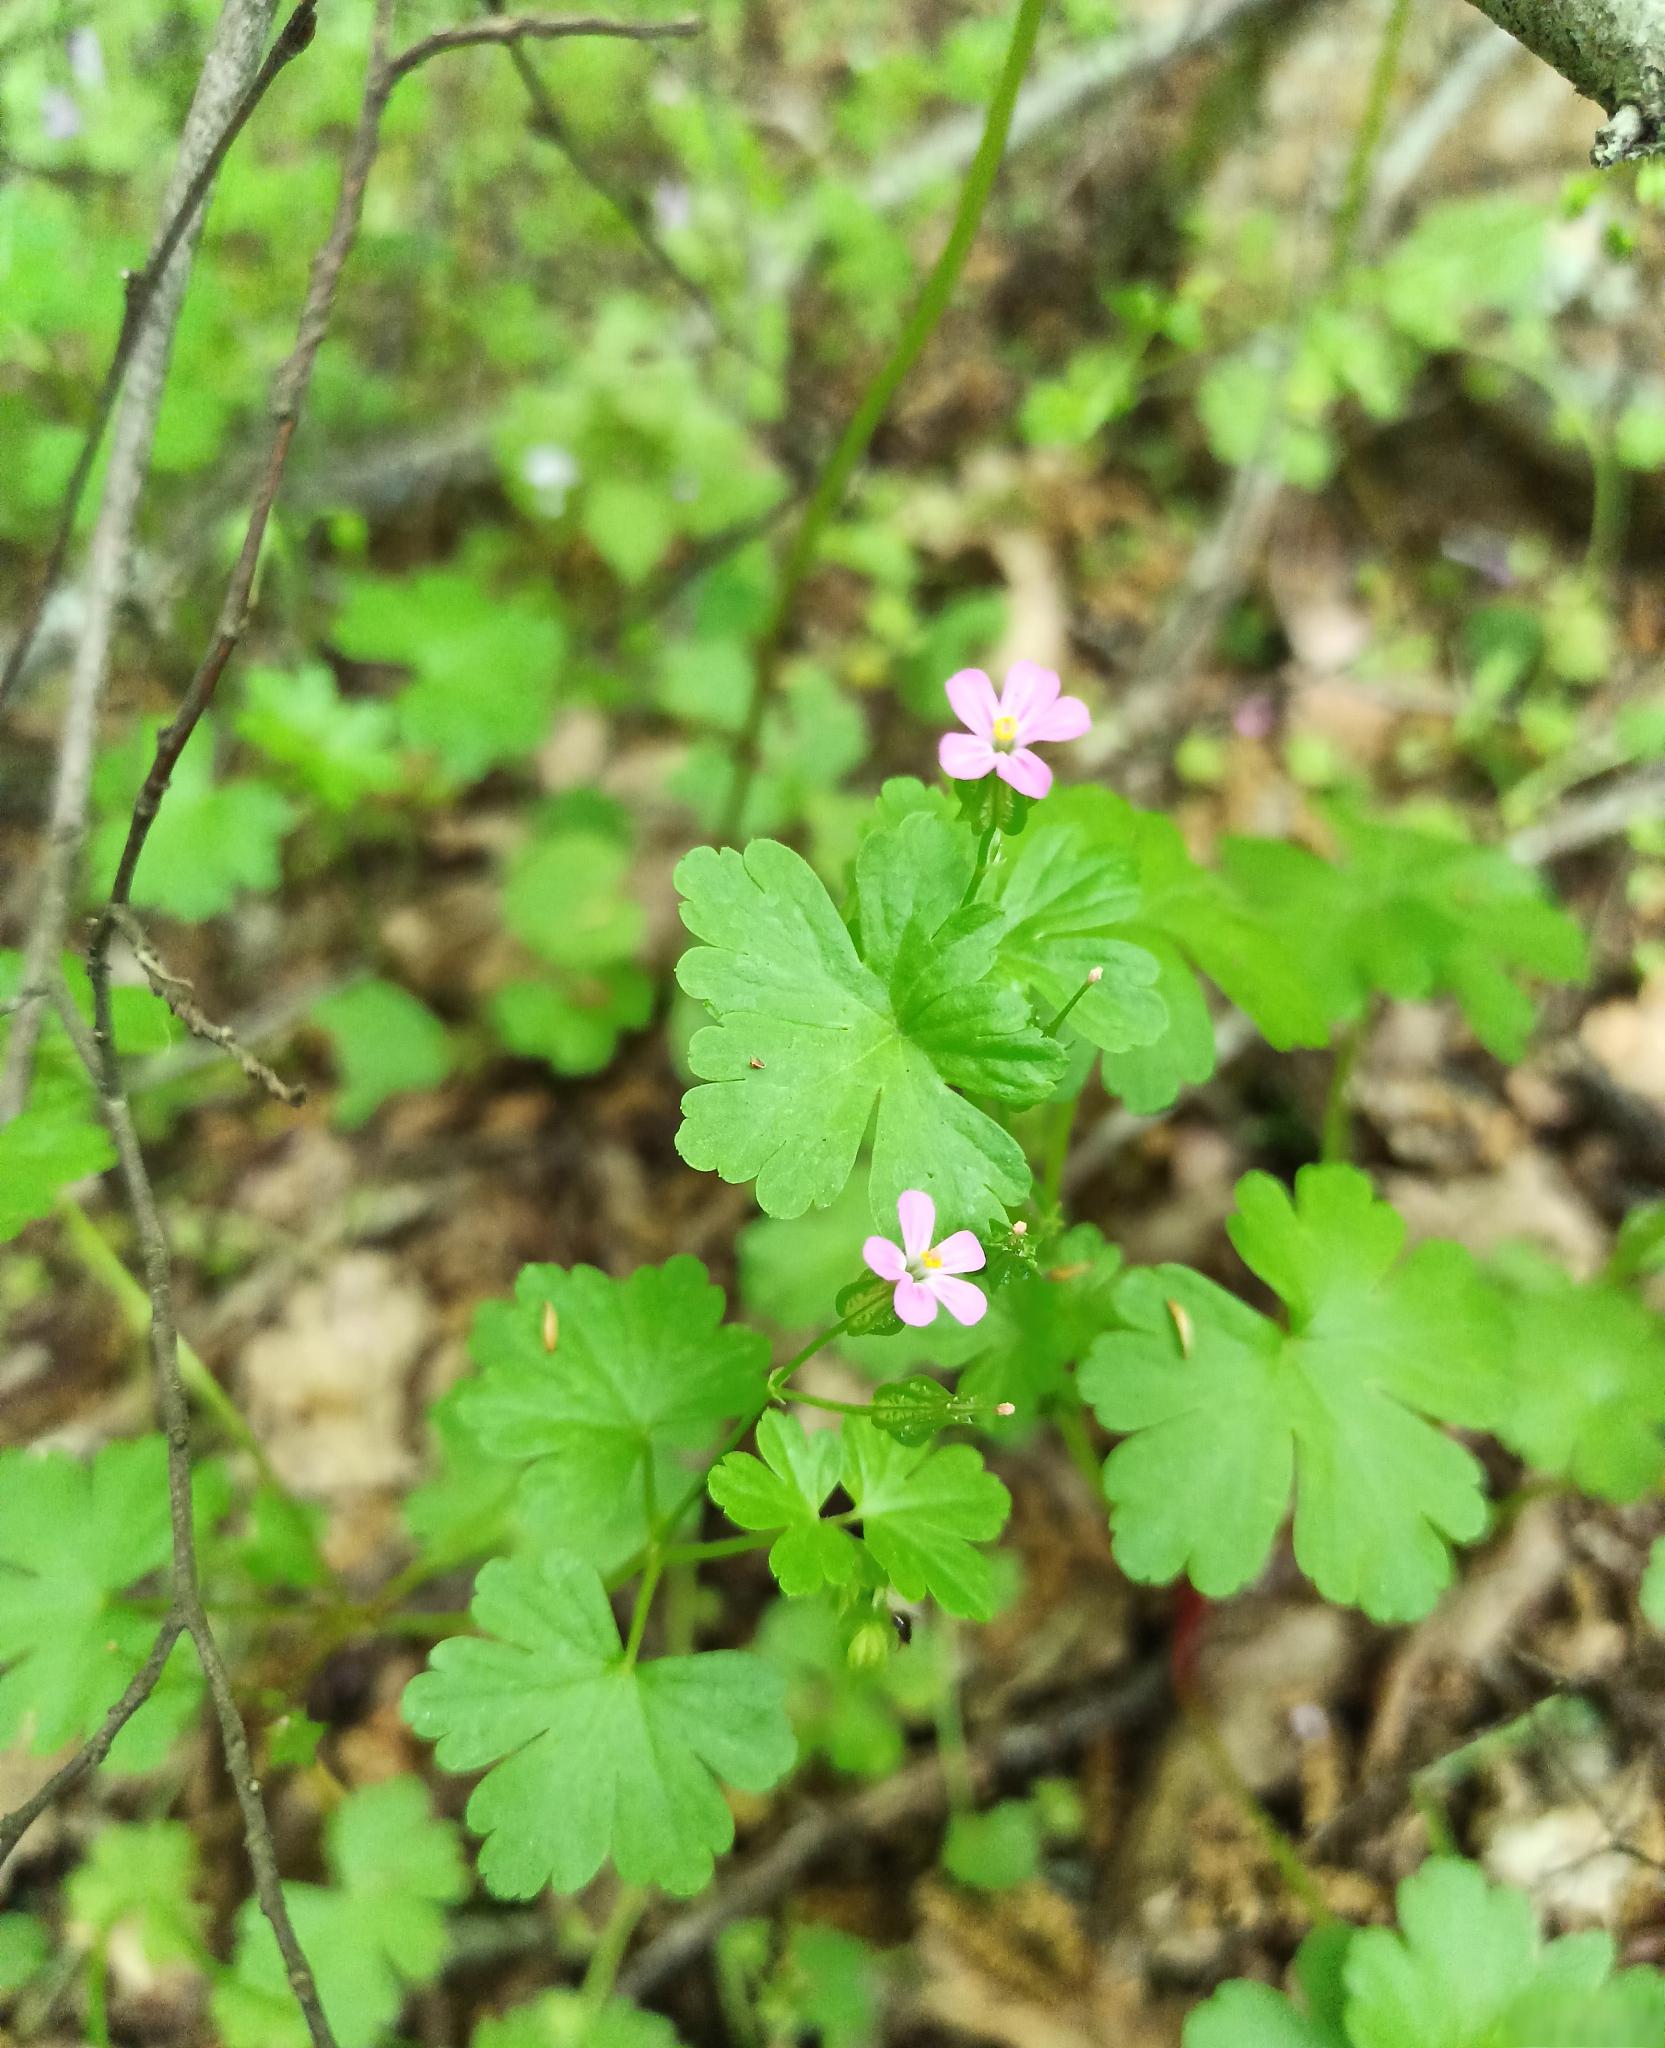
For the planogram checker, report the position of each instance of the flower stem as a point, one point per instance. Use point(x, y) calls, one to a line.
point(985, 853)
point(722, 1546)
point(874, 403)
point(1094, 977)
point(602, 1971)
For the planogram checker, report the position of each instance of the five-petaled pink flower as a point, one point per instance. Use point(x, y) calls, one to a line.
point(924, 1272)
point(1001, 731)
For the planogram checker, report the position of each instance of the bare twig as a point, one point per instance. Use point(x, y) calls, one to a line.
point(1630, 800)
point(87, 1759)
point(232, 62)
point(97, 1050)
point(549, 124)
point(140, 289)
point(177, 993)
point(916, 1794)
point(536, 28)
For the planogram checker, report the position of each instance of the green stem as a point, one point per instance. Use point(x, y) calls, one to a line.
point(721, 1546)
point(1609, 509)
point(603, 1970)
point(1060, 1128)
point(1336, 1140)
point(644, 1601)
point(98, 2013)
point(985, 853)
point(952, 1752)
point(1367, 140)
point(1071, 1426)
point(1280, 1850)
point(1092, 981)
point(853, 443)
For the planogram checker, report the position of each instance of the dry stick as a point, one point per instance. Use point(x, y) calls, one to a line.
point(17, 1823)
point(917, 329)
point(178, 994)
point(548, 123)
point(98, 1052)
point(140, 288)
point(232, 60)
point(918, 1793)
point(293, 378)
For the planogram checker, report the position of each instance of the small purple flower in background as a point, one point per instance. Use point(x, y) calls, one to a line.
point(924, 1272)
point(1001, 731)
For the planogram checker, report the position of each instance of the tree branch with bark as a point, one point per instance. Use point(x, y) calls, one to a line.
point(1612, 51)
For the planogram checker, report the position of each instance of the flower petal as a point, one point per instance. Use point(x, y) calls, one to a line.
point(972, 696)
point(961, 1253)
point(916, 1304)
point(965, 1303)
point(917, 1214)
point(1068, 719)
point(1026, 772)
point(964, 757)
point(1029, 690)
point(884, 1258)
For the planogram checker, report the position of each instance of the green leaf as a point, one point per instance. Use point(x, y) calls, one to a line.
point(592, 1756)
point(997, 1850)
point(1243, 2015)
point(373, 1935)
point(640, 1367)
point(486, 662)
point(1226, 1412)
point(565, 2019)
point(72, 1538)
point(1190, 921)
point(1587, 1398)
point(1410, 914)
point(785, 1489)
point(387, 1043)
point(42, 1152)
point(341, 750)
point(25, 1948)
point(565, 897)
point(466, 1508)
point(1064, 906)
point(140, 1878)
point(1040, 1324)
point(812, 1036)
point(1653, 1585)
point(629, 524)
point(212, 841)
point(1468, 1970)
point(921, 1510)
point(576, 1022)
point(1466, 257)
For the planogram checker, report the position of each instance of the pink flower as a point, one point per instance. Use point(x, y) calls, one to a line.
point(924, 1272)
point(1000, 731)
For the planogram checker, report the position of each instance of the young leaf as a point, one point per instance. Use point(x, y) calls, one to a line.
point(1587, 1401)
point(1225, 1410)
point(42, 1152)
point(574, 1022)
point(341, 750)
point(811, 1035)
point(639, 1367)
point(1244, 2015)
point(1039, 1325)
point(374, 1934)
point(1412, 914)
point(25, 1946)
point(387, 1043)
point(1468, 1970)
point(921, 1510)
point(141, 1877)
point(565, 2019)
point(785, 1490)
point(72, 1537)
point(997, 1850)
point(851, 1711)
point(593, 1755)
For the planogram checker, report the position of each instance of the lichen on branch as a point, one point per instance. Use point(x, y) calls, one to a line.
point(1612, 51)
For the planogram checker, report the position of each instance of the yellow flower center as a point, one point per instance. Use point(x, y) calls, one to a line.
point(1005, 731)
point(932, 1262)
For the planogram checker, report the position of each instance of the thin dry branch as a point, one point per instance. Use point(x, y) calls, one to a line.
point(232, 62)
point(537, 28)
point(97, 1050)
point(140, 288)
point(179, 996)
point(18, 1822)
